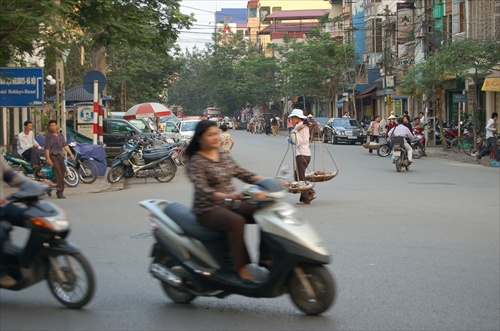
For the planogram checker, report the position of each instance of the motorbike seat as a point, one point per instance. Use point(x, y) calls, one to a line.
point(186, 219)
point(150, 157)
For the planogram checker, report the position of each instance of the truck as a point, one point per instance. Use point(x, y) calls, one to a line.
point(212, 112)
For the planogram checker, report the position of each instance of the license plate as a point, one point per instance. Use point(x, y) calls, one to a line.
point(396, 153)
point(352, 137)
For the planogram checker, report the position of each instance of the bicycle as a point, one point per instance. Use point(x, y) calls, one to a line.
point(180, 157)
point(465, 144)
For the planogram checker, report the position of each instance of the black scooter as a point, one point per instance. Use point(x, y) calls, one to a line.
point(47, 255)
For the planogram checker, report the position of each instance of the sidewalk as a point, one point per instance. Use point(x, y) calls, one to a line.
point(460, 157)
point(100, 185)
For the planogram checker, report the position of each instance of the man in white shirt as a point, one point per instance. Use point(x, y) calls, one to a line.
point(28, 147)
point(491, 139)
point(402, 131)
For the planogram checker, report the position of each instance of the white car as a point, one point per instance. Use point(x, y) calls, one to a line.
point(181, 129)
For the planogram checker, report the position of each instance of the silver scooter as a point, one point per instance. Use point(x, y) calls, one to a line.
point(192, 260)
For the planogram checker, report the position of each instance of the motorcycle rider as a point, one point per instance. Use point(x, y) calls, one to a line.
point(211, 170)
point(28, 147)
point(10, 213)
point(402, 131)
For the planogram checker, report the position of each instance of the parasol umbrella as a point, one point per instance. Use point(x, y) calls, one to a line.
point(147, 110)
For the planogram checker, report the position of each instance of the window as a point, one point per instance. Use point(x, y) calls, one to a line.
point(374, 35)
point(252, 12)
point(264, 11)
point(118, 128)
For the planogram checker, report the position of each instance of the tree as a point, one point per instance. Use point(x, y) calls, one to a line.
point(191, 88)
point(147, 75)
point(317, 67)
point(460, 59)
point(31, 26)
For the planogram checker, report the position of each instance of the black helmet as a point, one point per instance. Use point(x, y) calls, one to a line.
point(400, 120)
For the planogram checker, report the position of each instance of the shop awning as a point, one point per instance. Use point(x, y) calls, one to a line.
point(492, 82)
point(367, 91)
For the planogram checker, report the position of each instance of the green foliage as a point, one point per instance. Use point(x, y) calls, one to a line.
point(26, 25)
point(146, 73)
point(461, 59)
point(29, 25)
point(318, 67)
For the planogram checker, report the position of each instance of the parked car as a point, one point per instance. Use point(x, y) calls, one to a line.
point(179, 129)
point(343, 130)
point(115, 133)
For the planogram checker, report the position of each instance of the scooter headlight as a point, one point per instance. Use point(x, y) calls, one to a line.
point(289, 216)
point(57, 223)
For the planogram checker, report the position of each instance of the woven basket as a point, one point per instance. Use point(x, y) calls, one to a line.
point(317, 177)
point(295, 187)
point(371, 146)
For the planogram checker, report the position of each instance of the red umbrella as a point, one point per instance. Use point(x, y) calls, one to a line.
point(147, 109)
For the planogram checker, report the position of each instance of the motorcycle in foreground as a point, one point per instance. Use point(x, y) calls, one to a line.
point(18, 163)
point(192, 260)
point(399, 154)
point(155, 162)
point(46, 254)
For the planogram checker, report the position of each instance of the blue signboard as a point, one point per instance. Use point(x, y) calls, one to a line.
point(21, 87)
point(457, 98)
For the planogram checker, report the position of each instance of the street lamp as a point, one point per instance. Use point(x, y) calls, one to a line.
point(62, 104)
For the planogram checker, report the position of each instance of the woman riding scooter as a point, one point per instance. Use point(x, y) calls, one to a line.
point(211, 170)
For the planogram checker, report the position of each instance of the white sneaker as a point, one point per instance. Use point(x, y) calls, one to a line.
point(474, 154)
point(411, 161)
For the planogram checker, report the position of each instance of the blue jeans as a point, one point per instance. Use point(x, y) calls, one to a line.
point(14, 215)
point(491, 141)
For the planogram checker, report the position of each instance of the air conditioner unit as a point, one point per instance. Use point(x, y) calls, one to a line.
point(379, 58)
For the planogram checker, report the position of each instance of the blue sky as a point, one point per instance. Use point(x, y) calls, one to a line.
point(204, 12)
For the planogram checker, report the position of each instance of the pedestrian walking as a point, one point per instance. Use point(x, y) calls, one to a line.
point(55, 145)
point(226, 141)
point(275, 125)
point(302, 153)
point(374, 131)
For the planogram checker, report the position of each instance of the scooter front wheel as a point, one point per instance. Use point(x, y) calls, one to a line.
point(88, 172)
point(320, 283)
point(383, 150)
point(71, 280)
point(418, 151)
point(71, 177)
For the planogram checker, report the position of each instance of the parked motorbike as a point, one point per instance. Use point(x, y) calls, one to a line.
point(192, 260)
point(87, 171)
point(156, 163)
point(47, 255)
point(418, 146)
point(399, 154)
point(18, 163)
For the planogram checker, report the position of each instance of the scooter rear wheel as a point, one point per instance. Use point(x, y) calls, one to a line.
point(115, 173)
point(165, 171)
point(177, 295)
point(323, 286)
point(399, 165)
point(78, 287)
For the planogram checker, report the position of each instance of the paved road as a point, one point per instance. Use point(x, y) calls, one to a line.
point(411, 250)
